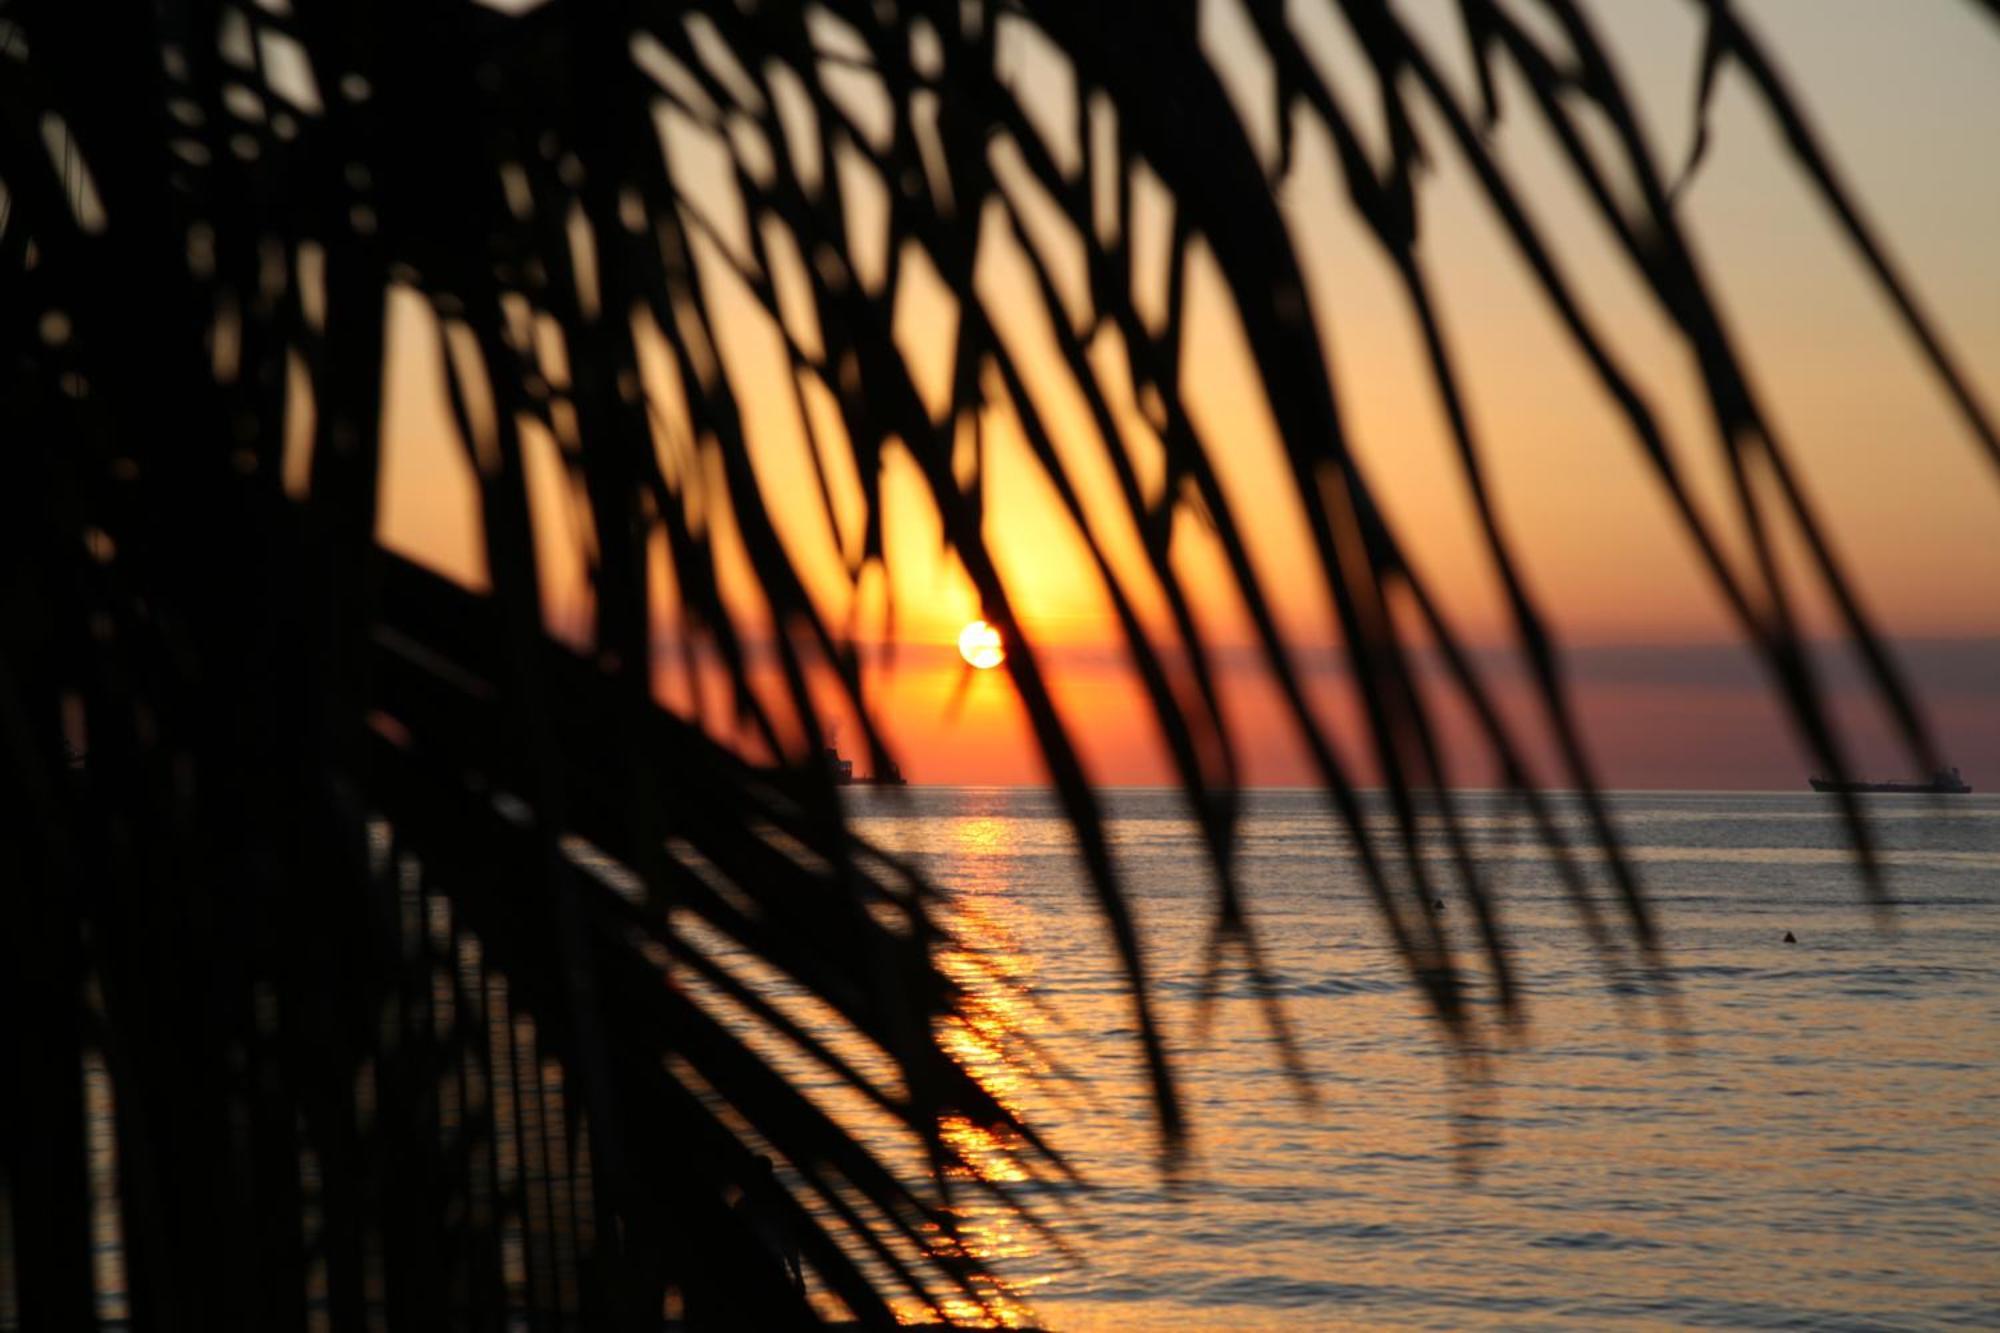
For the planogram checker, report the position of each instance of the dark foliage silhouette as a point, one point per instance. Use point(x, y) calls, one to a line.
point(400, 947)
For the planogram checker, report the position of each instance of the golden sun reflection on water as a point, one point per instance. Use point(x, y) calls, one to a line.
point(991, 1039)
point(991, 1036)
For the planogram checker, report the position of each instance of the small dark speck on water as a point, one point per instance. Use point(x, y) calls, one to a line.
point(1789, 939)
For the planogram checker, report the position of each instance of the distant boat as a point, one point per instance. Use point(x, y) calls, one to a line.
point(1944, 782)
point(842, 770)
point(844, 775)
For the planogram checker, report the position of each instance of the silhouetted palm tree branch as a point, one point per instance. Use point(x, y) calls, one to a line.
point(1742, 432)
point(1359, 603)
point(435, 971)
point(578, 718)
point(1392, 218)
point(1728, 38)
point(898, 400)
point(1187, 456)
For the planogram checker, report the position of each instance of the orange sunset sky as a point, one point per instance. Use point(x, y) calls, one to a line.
point(1906, 93)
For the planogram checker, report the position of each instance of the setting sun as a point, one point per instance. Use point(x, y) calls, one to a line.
point(979, 644)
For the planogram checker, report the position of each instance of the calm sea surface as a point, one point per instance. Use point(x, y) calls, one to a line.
point(1822, 1152)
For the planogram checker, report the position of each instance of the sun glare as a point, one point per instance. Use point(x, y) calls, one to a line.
point(979, 644)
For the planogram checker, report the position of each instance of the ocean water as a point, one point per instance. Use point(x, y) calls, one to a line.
point(1811, 1139)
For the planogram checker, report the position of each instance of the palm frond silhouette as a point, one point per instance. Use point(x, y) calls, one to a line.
point(422, 969)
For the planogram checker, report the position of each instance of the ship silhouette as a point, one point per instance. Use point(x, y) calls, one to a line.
point(844, 775)
point(1944, 782)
